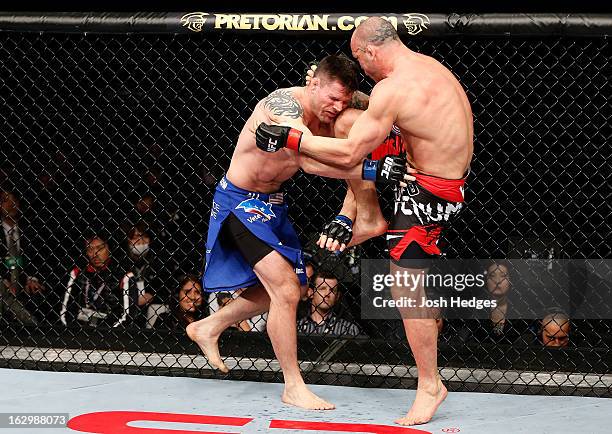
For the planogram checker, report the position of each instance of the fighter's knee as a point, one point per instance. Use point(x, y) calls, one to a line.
point(344, 122)
point(287, 296)
point(285, 289)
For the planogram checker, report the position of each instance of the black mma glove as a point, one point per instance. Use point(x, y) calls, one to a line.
point(340, 229)
point(388, 170)
point(271, 138)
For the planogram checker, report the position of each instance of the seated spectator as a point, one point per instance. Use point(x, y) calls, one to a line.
point(321, 319)
point(497, 327)
point(498, 286)
point(22, 293)
point(224, 298)
point(93, 295)
point(216, 300)
point(143, 279)
point(185, 306)
point(555, 330)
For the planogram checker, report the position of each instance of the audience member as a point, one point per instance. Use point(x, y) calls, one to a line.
point(555, 330)
point(185, 306)
point(498, 286)
point(143, 279)
point(92, 292)
point(22, 291)
point(322, 319)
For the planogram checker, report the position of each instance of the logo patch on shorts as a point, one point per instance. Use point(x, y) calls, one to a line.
point(258, 207)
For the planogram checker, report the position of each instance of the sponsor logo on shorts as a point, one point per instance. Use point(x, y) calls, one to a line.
point(415, 23)
point(215, 210)
point(412, 189)
point(258, 207)
point(194, 21)
point(425, 212)
point(299, 271)
point(223, 183)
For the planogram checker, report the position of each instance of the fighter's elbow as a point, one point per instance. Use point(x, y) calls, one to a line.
point(350, 160)
point(308, 168)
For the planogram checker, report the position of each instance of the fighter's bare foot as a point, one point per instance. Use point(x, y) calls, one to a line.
point(300, 396)
point(200, 334)
point(425, 405)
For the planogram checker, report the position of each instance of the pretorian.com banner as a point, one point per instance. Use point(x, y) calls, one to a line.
point(477, 288)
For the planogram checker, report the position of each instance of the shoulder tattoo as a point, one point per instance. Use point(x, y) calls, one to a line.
point(282, 103)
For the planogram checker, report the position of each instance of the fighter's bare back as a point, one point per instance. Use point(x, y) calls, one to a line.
point(434, 116)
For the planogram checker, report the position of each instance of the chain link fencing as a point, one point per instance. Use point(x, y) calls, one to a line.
point(107, 138)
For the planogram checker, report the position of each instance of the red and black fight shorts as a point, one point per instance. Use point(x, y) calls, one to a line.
point(423, 210)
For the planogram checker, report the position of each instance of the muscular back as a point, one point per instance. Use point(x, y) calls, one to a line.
point(255, 170)
point(434, 116)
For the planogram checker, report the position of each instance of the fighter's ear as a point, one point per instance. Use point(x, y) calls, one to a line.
point(370, 50)
point(314, 84)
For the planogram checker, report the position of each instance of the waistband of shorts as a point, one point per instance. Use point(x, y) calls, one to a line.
point(276, 198)
point(447, 189)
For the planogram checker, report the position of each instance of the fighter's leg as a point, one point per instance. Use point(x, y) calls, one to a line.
point(252, 301)
point(361, 206)
point(361, 200)
point(422, 333)
point(369, 222)
point(282, 284)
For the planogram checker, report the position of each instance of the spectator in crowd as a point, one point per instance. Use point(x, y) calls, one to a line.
point(321, 319)
point(93, 293)
point(498, 287)
point(143, 279)
point(224, 298)
point(217, 300)
point(496, 327)
point(145, 210)
point(22, 291)
point(163, 219)
point(555, 330)
point(185, 306)
point(310, 268)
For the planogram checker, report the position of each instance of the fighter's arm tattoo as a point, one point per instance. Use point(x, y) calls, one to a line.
point(282, 103)
point(359, 101)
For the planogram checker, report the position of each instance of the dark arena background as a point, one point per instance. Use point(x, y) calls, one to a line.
point(120, 125)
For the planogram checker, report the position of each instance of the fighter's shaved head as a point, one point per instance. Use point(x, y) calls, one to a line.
point(374, 31)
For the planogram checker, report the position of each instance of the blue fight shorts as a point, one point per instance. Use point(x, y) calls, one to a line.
point(265, 216)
